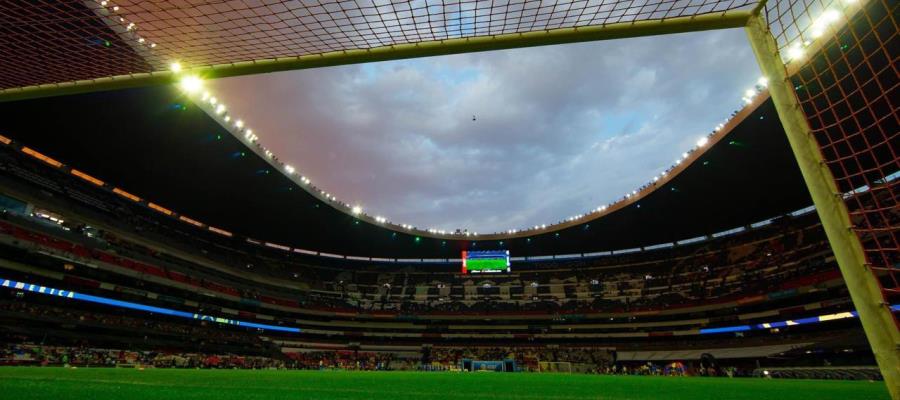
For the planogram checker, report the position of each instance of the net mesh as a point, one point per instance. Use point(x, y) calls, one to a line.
point(59, 41)
point(849, 89)
point(67, 40)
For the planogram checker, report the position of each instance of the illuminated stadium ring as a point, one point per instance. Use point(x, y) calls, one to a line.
point(215, 107)
point(68, 294)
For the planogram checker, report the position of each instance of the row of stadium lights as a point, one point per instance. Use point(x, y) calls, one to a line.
point(817, 29)
point(193, 84)
point(129, 26)
point(794, 52)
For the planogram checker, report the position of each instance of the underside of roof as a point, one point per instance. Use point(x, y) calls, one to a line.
point(156, 144)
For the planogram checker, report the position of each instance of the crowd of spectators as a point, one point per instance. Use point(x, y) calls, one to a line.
point(347, 360)
point(749, 263)
point(534, 358)
point(530, 359)
point(707, 273)
point(43, 355)
point(139, 328)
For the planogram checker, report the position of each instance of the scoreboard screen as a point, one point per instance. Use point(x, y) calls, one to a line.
point(489, 261)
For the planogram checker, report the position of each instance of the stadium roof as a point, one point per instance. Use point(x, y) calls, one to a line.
point(155, 143)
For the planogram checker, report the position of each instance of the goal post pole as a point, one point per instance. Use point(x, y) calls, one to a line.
point(618, 30)
point(865, 291)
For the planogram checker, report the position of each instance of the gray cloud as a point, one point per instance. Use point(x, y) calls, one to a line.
point(560, 130)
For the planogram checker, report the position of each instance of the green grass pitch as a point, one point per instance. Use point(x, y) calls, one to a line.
point(479, 264)
point(101, 384)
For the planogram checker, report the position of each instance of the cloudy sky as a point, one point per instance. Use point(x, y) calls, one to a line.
point(559, 130)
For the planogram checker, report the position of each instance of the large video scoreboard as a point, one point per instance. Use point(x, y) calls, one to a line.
point(487, 261)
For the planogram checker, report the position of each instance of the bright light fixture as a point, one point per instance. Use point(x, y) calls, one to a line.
point(356, 210)
point(220, 109)
point(239, 123)
point(795, 52)
point(191, 84)
point(827, 17)
point(702, 142)
point(175, 67)
point(830, 15)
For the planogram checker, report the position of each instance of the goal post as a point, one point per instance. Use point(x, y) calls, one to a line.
point(588, 33)
point(865, 290)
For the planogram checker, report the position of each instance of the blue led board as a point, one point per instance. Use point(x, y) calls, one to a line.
point(787, 323)
point(68, 294)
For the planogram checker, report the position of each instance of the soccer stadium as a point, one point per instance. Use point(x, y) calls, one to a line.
point(194, 199)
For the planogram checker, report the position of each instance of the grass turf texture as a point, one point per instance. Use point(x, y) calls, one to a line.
point(490, 264)
point(101, 383)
